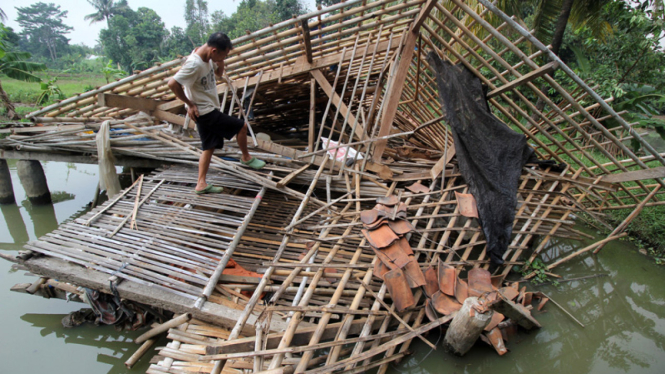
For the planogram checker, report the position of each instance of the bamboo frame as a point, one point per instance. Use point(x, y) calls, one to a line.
point(312, 263)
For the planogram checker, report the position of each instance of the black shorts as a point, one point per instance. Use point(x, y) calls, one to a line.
point(213, 127)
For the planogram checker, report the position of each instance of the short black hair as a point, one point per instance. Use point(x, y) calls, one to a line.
point(220, 41)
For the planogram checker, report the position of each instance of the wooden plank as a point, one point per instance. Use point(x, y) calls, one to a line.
point(120, 101)
point(173, 118)
point(307, 40)
point(210, 312)
point(443, 161)
point(149, 106)
point(395, 92)
point(546, 69)
point(629, 176)
point(422, 16)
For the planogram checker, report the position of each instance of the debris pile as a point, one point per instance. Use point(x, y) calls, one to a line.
point(354, 250)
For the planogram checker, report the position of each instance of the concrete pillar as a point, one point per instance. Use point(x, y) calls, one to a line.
point(32, 177)
point(6, 189)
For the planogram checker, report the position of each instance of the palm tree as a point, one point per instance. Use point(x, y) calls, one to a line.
point(106, 9)
point(15, 66)
point(550, 17)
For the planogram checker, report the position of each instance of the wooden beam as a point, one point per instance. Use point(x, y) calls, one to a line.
point(218, 314)
point(343, 109)
point(395, 93)
point(307, 40)
point(629, 176)
point(149, 106)
point(422, 16)
point(546, 69)
point(120, 101)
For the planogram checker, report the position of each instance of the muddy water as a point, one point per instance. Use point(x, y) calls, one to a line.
point(624, 312)
point(31, 335)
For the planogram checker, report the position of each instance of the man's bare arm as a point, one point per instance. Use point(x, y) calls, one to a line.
point(219, 72)
point(179, 92)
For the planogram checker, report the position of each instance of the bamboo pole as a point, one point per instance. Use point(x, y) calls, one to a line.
point(242, 111)
point(139, 353)
point(623, 225)
point(341, 101)
point(175, 322)
point(109, 205)
point(214, 278)
point(89, 94)
point(219, 364)
point(138, 206)
point(330, 99)
point(132, 224)
point(392, 312)
point(572, 75)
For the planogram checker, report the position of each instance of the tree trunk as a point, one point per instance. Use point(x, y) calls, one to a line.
point(560, 27)
point(11, 112)
point(557, 39)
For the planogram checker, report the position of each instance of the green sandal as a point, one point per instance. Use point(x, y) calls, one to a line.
point(210, 189)
point(254, 163)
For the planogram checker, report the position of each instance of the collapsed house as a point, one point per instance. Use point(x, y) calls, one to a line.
point(403, 139)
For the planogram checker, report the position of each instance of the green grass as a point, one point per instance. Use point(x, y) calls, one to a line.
point(647, 230)
point(70, 84)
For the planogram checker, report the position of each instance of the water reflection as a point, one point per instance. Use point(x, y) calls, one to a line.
point(27, 347)
point(15, 224)
point(113, 347)
point(42, 216)
point(624, 315)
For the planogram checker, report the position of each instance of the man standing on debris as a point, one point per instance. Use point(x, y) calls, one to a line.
point(196, 86)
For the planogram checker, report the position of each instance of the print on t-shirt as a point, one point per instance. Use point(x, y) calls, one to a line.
point(208, 82)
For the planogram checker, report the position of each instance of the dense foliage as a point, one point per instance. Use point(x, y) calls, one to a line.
point(134, 38)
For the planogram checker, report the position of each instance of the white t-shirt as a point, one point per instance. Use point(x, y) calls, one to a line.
point(198, 79)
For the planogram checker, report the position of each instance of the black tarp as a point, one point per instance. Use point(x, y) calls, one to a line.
point(490, 155)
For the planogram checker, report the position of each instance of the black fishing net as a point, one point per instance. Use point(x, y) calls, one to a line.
point(490, 155)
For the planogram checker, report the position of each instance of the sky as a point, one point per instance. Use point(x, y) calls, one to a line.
point(171, 12)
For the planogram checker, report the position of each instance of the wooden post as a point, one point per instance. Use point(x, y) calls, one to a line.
point(466, 327)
